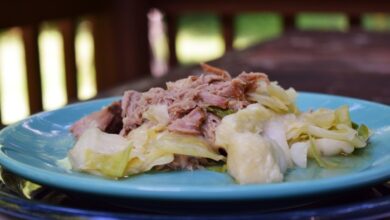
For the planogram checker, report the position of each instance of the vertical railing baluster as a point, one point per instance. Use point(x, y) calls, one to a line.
point(228, 31)
point(34, 85)
point(68, 31)
point(288, 22)
point(355, 22)
point(106, 72)
point(171, 23)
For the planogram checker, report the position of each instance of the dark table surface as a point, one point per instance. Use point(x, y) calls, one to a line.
point(355, 64)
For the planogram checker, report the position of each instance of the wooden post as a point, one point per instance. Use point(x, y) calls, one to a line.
point(122, 50)
point(31, 50)
point(105, 62)
point(131, 36)
point(355, 22)
point(288, 22)
point(228, 31)
point(171, 23)
point(68, 31)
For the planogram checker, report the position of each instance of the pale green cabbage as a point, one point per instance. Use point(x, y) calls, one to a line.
point(183, 144)
point(157, 114)
point(274, 135)
point(250, 156)
point(342, 116)
point(299, 153)
point(324, 118)
point(251, 160)
point(274, 97)
point(276, 131)
point(262, 141)
point(100, 153)
point(145, 147)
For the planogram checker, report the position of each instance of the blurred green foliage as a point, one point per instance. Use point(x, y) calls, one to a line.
point(200, 35)
point(376, 22)
point(322, 21)
point(251, 28)
point(199, 38)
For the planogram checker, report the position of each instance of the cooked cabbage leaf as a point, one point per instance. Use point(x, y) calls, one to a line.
point(274, 97)
point(343, 116)
point(152, 148)
point(100, 153)
point(183, 144)
point(262, 140)
point(324, 118)
point(219, 111)
point(314, 152)
point(218, 168)
point(299, 153)
point(157, 114)
point(275, 130)
point(364, 132)
point(251, 157)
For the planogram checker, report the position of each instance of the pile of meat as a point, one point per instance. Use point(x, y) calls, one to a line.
point(187, 99)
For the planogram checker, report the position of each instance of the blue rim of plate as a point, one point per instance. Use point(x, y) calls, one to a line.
point(198, 193)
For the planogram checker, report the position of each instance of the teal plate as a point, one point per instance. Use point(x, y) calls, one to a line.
point(31, 148)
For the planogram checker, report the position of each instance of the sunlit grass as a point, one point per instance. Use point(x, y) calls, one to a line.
point(52, 67)
point(86, 76)
point(199, 38)
point(322, 21)
point(376, 22)
point(13, 88)
point(251, 28)
point(195, 50)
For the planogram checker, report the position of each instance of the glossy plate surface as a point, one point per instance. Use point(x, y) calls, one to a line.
point(32, 148)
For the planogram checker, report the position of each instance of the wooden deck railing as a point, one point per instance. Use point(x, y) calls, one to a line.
point(120, 31)
point(288, 10)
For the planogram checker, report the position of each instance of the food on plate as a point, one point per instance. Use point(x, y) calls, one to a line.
point(248, 124)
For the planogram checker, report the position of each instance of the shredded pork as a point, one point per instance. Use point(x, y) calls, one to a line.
point(187, 100)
